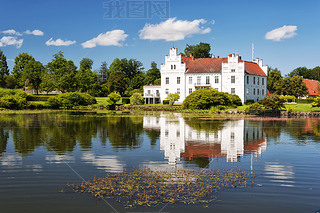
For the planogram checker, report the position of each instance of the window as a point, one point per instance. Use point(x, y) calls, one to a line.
point(166, 133)
point(247, 91)
point(199, 80)
point(216, 79)
point(178, 134)
point(174, 66)
point(233, 70)
point(178, 80)
point(262, 81)
point(149, 91)
point(254, 80)
point(190, 80)
point(247, 79)
point(233, 79)
point(233, 90)
point(232, 136)
point(190, 90)
point(262, 91)
point(167, 91)
point(258, 91)
point(167, 80)
point(178, 90)
point(254, 91)
point(258, 80)
point(207, 79)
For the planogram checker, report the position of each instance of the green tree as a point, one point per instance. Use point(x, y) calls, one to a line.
point(152, 74)
point(33, 73)
point(129, 68)
point(172, 97)
point(63, 72)
point(294, 86)
point(201, 50)
point(4, 70)
point(87, 80)
point(274, 81)
point(157, 81)
point(136, 98)
point(19, 63)
point(137, 81)
point(103, 72)
point(316, 73)
point(301, 71)
point(117, 82)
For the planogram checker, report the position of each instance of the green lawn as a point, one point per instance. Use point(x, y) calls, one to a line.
point(302, 107)
point(101, 100)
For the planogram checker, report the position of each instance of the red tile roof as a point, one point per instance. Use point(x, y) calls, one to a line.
point(253, 69)
point(203, 65)
point(313, 86)
point(214, 65)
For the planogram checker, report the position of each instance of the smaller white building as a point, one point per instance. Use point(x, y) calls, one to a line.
point(151, 94)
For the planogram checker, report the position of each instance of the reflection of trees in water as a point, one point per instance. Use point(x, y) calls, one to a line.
point(153, 136)
point(61, 131)
point(4, 136)
point(204, 125)
point(201, 162)
point(125, 132)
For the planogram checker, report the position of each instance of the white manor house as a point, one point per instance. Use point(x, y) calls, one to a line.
point(183, 75)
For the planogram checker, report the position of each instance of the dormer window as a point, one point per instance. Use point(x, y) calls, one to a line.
point(233, 70)
point(174, 67)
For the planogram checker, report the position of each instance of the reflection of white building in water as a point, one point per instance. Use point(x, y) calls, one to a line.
point(179, 140)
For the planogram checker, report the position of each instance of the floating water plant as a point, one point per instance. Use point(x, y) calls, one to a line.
point(145, 187)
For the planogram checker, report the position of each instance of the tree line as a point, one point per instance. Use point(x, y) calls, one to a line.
point(124, 76)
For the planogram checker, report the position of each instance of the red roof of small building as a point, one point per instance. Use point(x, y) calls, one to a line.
point(214, 65)
point(313, 86)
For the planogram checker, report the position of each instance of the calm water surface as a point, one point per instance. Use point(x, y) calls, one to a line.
point(41, 153)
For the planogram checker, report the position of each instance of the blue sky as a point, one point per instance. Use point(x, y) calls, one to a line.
point(286, 34)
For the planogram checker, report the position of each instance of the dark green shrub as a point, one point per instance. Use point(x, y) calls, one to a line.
point(38, 105)
point(256, 108)
point(288, 98)
point(54, 102)
point(125, 100)
point(13, 99)
point(272, 102)
point(235, 100)
point(206, 98)
point(249, 101)
point(165, 102)
point(305, 101)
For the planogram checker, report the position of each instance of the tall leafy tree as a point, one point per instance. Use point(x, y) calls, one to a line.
point(294, 86)
point(117, 82)
point(152, 74)
point(129, 68)
point(33, 73)
point(63, 72)
point(86, 78)
point(103, 72)
point(4, 70)
point(274, 82)
point(201, 50)
point(19, 63)
point(301, 71)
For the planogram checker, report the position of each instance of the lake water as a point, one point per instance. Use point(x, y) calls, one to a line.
point(41, 153)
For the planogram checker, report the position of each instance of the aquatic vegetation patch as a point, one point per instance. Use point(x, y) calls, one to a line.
point(145, 187)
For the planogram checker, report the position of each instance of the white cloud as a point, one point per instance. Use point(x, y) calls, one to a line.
point(109, 163)
point(110, 38)
point(11, 32)
point(59, 42)
point(173, 30)
point(10, 40)
point(34, 32)
point(281, 33)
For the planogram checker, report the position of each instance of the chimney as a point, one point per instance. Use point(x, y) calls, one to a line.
point(238, 55)
point(213, 56)
point(191, 56)
point(229, 55)
point(232, 54)
point(217, 56)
